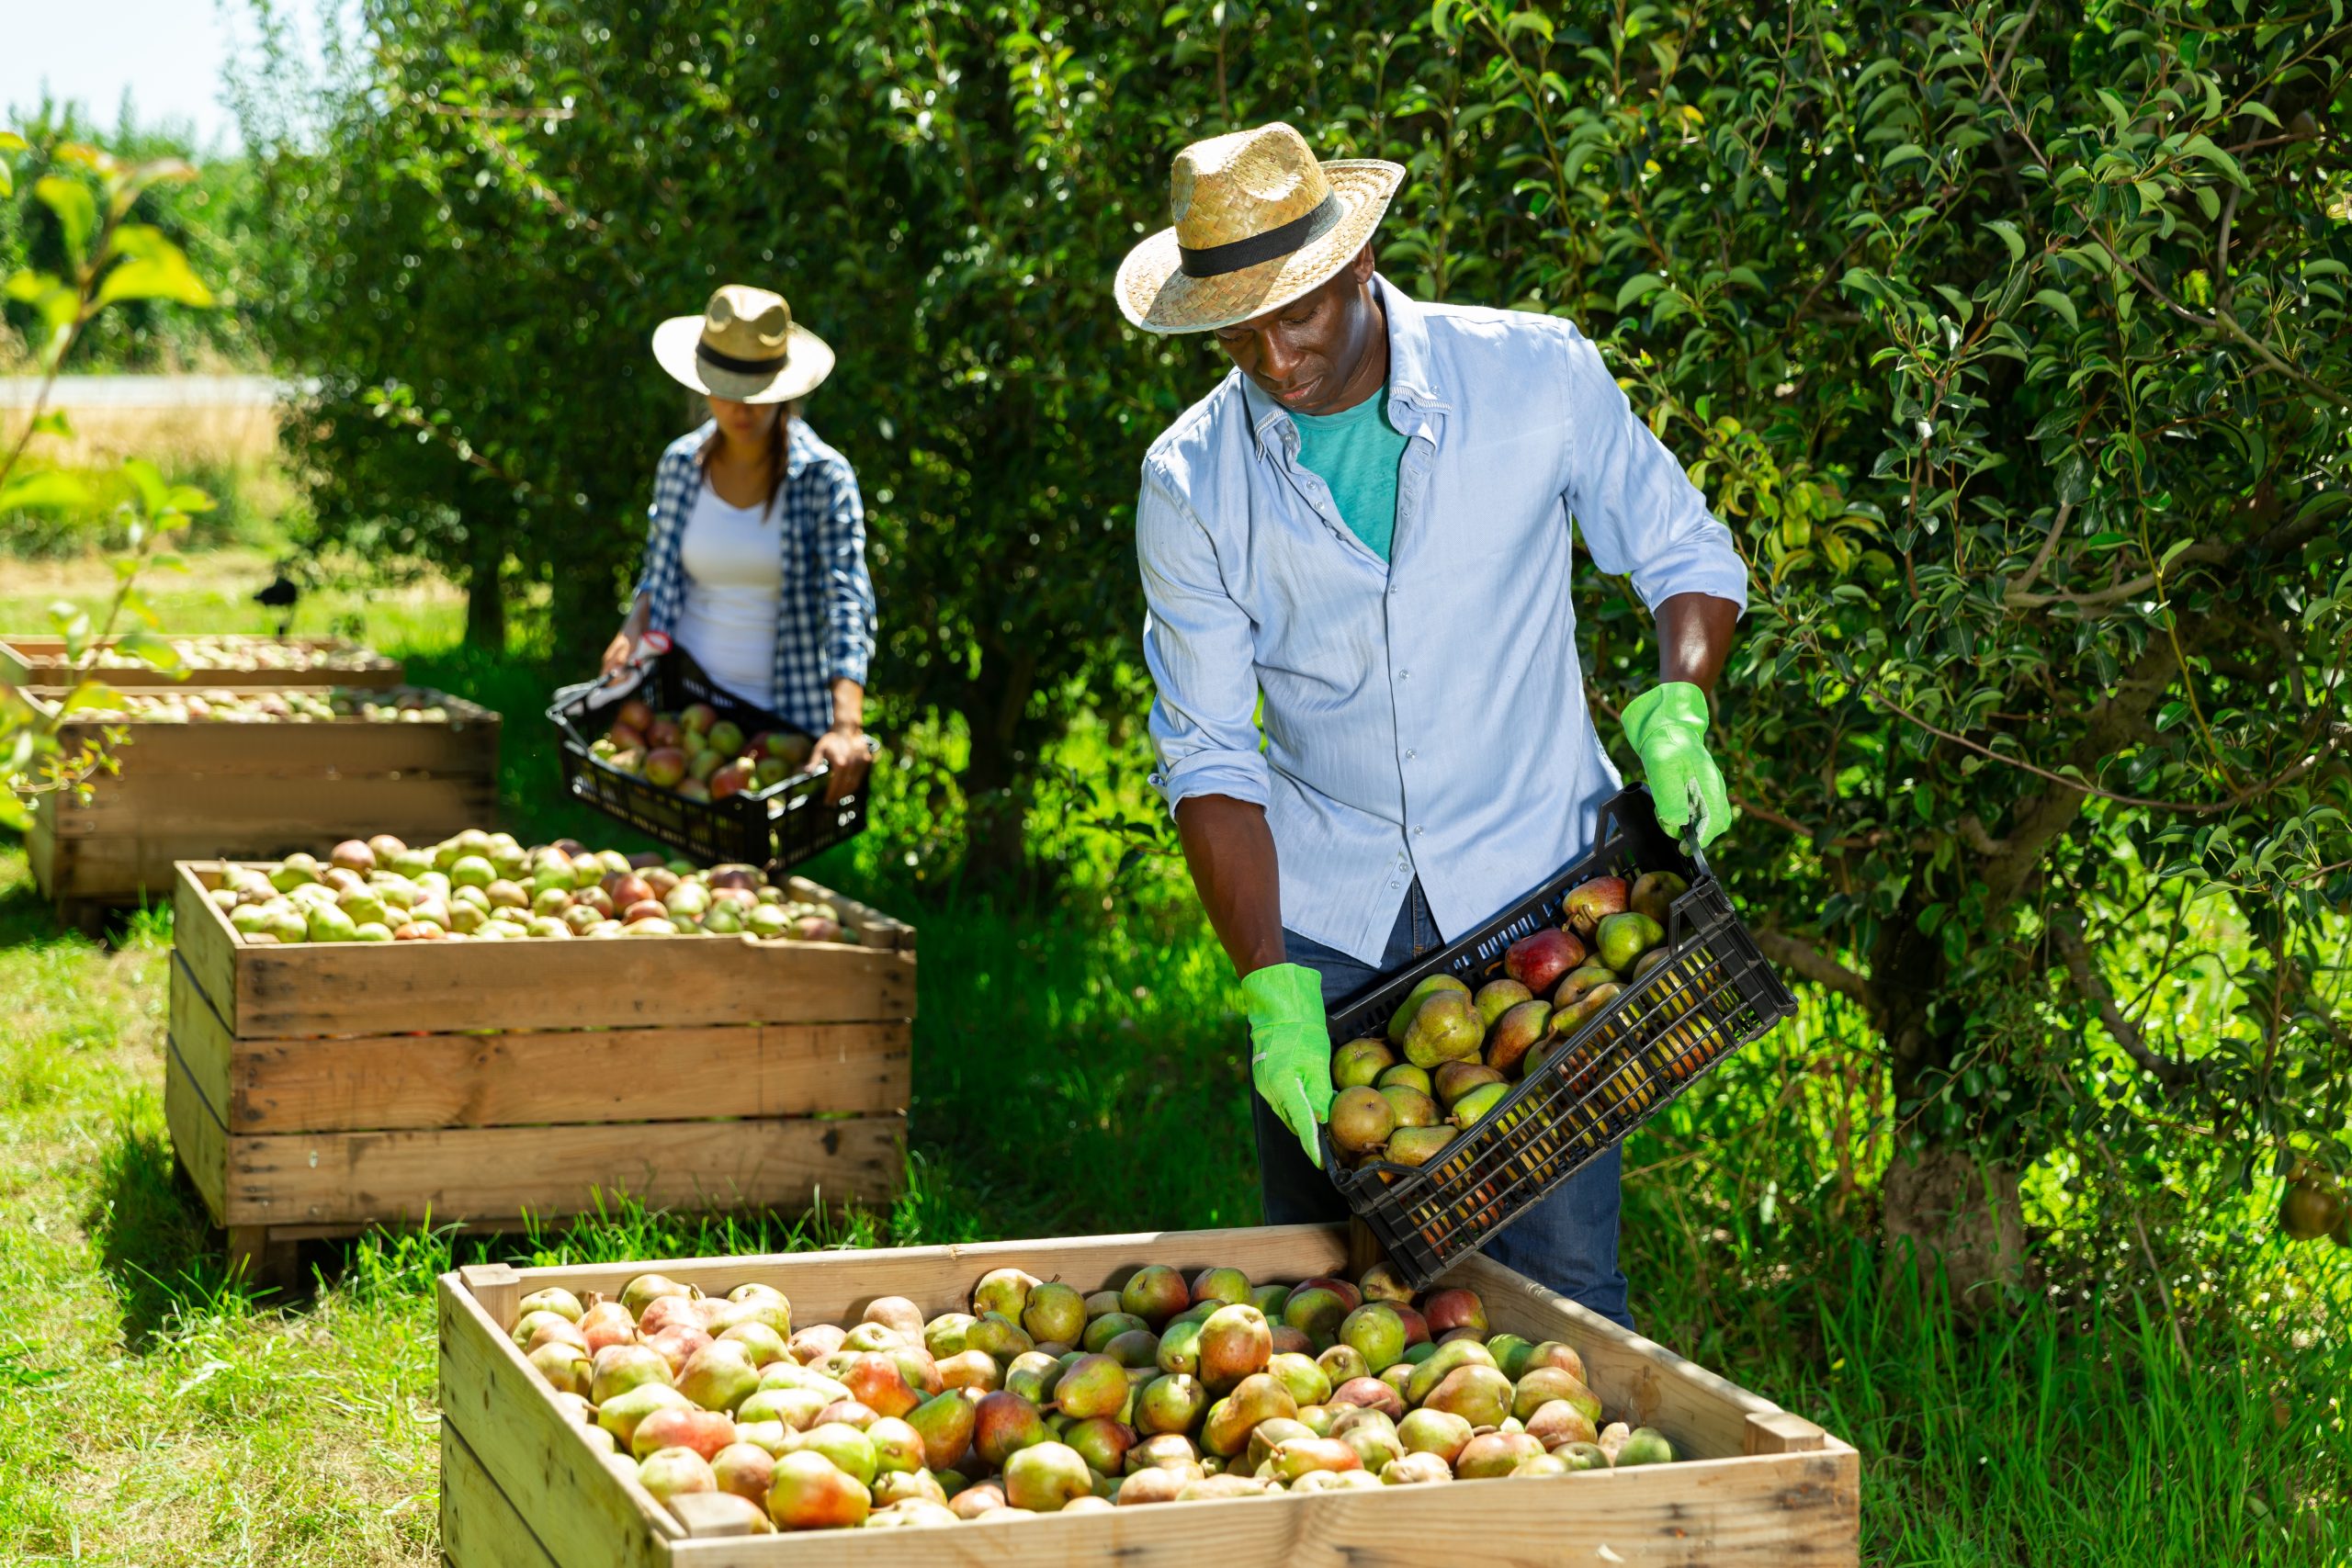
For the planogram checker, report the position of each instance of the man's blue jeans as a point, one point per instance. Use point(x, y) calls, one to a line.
point(1568, 1241)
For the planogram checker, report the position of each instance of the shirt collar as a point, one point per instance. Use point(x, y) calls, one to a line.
point(799, 446)
point(1410, 385)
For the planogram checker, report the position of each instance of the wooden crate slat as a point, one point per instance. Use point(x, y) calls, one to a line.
point(356, 1177)
point(203, 942)
point(477, 1524)
point(580, 1511)
point(198, 1135)
point(202, 1043)
point(392, 1082)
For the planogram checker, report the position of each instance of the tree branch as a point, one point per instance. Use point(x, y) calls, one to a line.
point(2067, 927)
point(1811, 964)
point(2042, 557)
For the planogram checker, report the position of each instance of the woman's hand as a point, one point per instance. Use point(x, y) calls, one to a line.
point(844, 751)
point(618, 651)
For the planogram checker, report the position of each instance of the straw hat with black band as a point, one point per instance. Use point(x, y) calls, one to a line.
point(1260, 222)
point(744, 347)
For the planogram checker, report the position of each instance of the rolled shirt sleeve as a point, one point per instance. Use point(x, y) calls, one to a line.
point(1201, 649)
point(1639, 513)
point(849, 590)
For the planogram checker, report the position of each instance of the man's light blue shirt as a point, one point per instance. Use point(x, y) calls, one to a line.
point(1423, 716)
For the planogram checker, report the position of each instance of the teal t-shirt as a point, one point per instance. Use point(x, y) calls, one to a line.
point(1355, 452)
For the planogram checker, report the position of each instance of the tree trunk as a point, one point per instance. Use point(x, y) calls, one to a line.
point(999, 770)
point(485, 600)
point(1949, 1207)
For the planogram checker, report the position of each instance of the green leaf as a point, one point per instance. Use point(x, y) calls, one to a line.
point(150, 267)
point(2051, 300)
point(45, 489)
point(2169, 715)
point(77, 209)
point(1639, 287)
point(88, 694)
point(54, 422)
point(13, 815)
point(2010, 237)
point(1903, 154)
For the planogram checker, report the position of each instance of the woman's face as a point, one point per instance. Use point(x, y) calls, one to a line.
point(746, 422)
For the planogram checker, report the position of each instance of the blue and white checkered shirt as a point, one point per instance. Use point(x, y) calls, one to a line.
point(1423, 716)
point(824, 628)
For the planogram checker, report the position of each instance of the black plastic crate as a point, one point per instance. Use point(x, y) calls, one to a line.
point(777, 827)
point(1714, 994)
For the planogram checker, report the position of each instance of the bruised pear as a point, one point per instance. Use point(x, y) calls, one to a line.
point(1446, 1029)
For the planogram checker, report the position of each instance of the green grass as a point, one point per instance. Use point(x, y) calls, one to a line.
point(1076, 1071)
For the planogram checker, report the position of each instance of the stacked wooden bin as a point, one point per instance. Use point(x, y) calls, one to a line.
point(316, 1090)
point(1759, 1487)
point(185, 790)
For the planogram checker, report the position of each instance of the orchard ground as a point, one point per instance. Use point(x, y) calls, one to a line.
point(1076, 1071)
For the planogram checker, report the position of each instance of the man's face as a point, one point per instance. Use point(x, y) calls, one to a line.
point(1313, 354)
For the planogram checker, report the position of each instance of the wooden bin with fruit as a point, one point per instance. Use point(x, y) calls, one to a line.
point(1479, 1078)
point(210, 661)
point(1164, 1399)
point(665, 749)
point(367, 1041)
point(239, 773)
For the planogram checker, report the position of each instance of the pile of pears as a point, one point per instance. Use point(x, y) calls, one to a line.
point(399, 705)
point(255, 654)
point(1043, 1398)
point(482, 887)
point(1451, 1054)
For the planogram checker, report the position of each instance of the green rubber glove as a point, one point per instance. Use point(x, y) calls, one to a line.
point(1667, 725)
point(1290, 1048)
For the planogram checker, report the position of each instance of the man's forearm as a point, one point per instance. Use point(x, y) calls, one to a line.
point(1694, 633)
point(1230, 851)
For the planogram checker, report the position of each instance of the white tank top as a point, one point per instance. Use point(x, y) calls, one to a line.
point(733, 561)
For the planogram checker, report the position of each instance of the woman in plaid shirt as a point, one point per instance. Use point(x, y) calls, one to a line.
point(755, 558)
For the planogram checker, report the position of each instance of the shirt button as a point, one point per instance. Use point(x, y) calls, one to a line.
point(1418, 831)
point(1410, 755)
point(1404, 674)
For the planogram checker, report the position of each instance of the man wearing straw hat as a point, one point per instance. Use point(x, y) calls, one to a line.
point(1365, 527)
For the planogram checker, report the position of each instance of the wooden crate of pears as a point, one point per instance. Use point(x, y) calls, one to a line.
point(878, 1408)
point(318, 1088)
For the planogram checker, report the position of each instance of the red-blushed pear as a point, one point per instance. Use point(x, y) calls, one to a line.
point(1455, 1308)
point(1370, 1393)
point(1004, 1424)
point(664, 732)
point(845, 1447)
point(1382, 1282)
point(1415, 1470)
point(971, 1369)
point(1101, 1442)
point(620, 1415)
point(815, 1342)
point(1654, 893)
point(945, 1425)
point(1262, 1439)
point(1480, 1395)
point(1349, 1297)
point(1492, 1454)
point(624, 888)
point(915, 1365)
point(1164, 1450)
point(567, 1368)
point(1552, 1353)
point(1558, 1423)
point(1439, 1432)
point(896, 1445)
point(1043, 1478)
point(875, 1380)
point(1541, 1385)
point(1431, 1371)
point(554, 1299)
point(1235, 1342)
point(538, 1328)
point(672, 1472)
point(646, 1289)
point(1153, 1486)
point(1514, 1034)
point(909, 1485)
point(1299, 1455)
point(636, 713)
point(1003, 1292)
point(980, 1497)
point(1317, 1311)
point(797, 1408)
point(1092, 1385)
point(577, 1407)
point(1224, 1286)
point(616, 1369)
point(676, 1344)
point(1589, 903)
point(847, 1413)
point(808, 1492)
point(703, 1431)
point(719, 1375)
point(1416, 1327)
point(1292, 1341)
point(1155, 1293)
point(1260, 1396)
point(1539, 959)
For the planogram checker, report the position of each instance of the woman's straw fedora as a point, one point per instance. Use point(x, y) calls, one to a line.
point(745, 347)
point(1259, 222)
